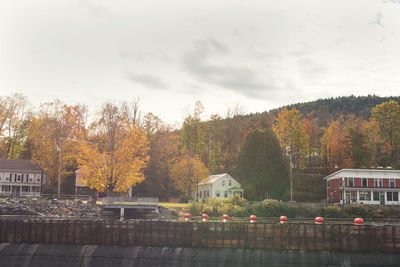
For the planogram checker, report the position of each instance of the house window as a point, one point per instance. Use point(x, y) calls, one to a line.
point(376, 196)
point(391, 183)
point(217, 193)
point(230, 183)
point(38, 178)
point(18, 177)
point(341, 182)
point(25, 189)
point(223, 182)
point(364, 182)
point(365, 196)
point(208, 193)
point(35, 189)
point(5, 188)
point(389, 196)
point(200, 194)
point(226, 194)
point(395, 196)
point(1, 176)
point(7, 177)
point(351, 182)
point(30, 178)
point(378, 182)
point(328, 184)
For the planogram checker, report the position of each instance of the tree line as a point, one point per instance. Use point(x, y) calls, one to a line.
point(119, 147)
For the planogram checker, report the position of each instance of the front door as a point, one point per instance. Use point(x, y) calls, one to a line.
point(382, 198)
point(347, 197)
point(16, 190)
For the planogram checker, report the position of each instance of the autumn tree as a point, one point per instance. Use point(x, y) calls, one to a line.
point(192, 132)
point(14, 120)
point(164, 148)
point(288, 127)
point(233, 136)
point(214, 140)
point(186, 172)
point(261, 168)
point(54, 130)
point(117, 154)
point(313, 135)
point(356, 147)
point(333, 146)
point(387, 116)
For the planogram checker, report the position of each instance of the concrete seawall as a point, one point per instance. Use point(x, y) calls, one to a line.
point(42, 255)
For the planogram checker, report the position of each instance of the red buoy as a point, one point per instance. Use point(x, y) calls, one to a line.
point(187, 216)
point(358, 221)
point(225, 218)
point(283, 219)
point(253, 218)
point(205, 217)
point(319, 220)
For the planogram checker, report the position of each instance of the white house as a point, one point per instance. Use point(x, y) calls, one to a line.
point(20, 178)
point(219, 186)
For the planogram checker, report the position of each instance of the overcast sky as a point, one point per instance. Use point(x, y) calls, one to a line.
point(259, 54)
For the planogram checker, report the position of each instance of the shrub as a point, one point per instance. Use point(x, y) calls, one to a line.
point(194, 208)
point(360, 210)
point(333, 212)
point(270, 208)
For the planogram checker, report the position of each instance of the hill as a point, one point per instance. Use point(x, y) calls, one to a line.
point(332, 108)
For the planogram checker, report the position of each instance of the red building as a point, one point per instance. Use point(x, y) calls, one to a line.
point(367, 186)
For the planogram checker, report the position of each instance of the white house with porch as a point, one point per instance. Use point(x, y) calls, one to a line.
point(219, 186)
point(20, 178)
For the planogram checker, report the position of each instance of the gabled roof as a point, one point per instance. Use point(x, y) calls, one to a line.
point(19, 165)
point(365, 173)
point(213, 178)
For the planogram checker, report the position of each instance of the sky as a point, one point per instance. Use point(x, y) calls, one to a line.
point(254, 53)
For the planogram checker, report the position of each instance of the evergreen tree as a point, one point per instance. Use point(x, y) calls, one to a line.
point(261, 168)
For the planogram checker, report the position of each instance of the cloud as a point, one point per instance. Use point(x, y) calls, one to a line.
point(305, 50)
point(310, 69)
point(201, 63)
point(148, 80)
point(96, 10)
point(378, 19)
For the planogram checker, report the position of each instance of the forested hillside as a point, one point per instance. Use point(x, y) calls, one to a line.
point(332, 108)
point(121, 147)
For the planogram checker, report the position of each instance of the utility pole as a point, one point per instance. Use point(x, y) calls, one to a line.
point(59, 169)
point(291, 177)
point(197, 188)
point(290, 154)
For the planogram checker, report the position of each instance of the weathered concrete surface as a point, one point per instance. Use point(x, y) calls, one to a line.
point(42, 255)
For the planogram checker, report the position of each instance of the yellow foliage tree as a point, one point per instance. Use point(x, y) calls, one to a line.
point(288, 127)
point(186, 172)
point(117, 169)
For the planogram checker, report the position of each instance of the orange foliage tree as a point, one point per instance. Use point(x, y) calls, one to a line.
point(118, 155)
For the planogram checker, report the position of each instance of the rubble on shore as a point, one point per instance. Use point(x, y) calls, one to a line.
point(49, 208)
point(42, 207)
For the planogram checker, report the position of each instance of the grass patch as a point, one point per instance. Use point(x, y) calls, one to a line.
point(173, 205)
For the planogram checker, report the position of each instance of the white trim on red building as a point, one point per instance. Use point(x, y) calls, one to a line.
point(367, 186)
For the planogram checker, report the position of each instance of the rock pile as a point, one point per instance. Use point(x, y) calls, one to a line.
point(49, 208)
